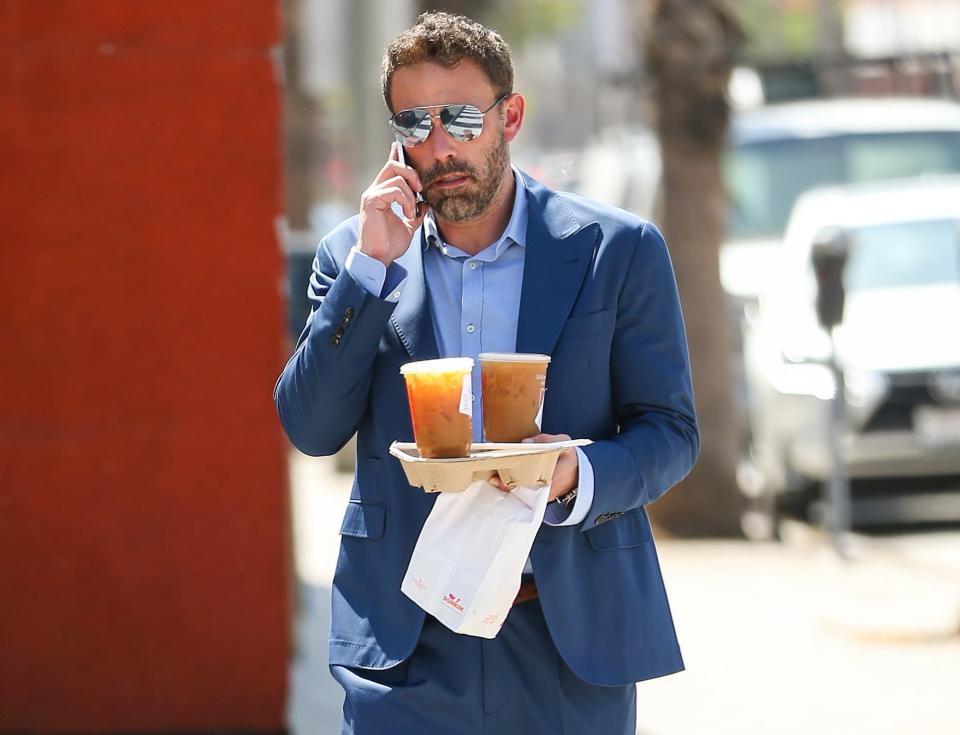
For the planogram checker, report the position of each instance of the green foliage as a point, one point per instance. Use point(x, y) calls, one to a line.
point(519, 20)
point(800, 32)
point(516, 20)
point(758, 18)
point(775, 31)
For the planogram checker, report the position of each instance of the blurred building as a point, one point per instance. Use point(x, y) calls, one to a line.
point(813, 48)
point(335, 137)
point(904, 46)
point(579, 79)
point(334, 112)
point(883, 28)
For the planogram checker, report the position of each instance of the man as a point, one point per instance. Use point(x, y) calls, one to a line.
point(499, 263)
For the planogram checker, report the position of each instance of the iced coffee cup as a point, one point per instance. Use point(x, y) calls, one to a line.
point(441, 406)
point(513, 390)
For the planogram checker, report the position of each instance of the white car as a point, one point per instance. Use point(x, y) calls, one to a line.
point(898, 346)
point(778, 152)
point(775, 154)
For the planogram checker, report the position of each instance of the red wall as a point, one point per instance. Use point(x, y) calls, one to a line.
point(143, 539)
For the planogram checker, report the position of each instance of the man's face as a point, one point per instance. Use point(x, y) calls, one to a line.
point(460, 180)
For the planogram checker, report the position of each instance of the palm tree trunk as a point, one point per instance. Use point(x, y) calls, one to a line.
point(691, 49)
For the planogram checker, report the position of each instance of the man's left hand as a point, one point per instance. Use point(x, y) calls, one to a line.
point(566, 475)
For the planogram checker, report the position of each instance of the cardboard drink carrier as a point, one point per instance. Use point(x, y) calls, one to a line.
point(519, 465)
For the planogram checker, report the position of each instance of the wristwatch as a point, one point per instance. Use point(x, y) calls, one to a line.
point(566, 500)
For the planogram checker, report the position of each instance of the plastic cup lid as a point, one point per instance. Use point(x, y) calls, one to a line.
point(512, 357)
point(445, 365)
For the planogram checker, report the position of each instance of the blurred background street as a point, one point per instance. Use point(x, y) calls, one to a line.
point(166, 557)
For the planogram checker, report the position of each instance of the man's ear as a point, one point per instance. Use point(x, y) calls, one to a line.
point(513, 108)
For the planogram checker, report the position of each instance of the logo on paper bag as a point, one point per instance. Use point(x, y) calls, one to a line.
point(453, 601)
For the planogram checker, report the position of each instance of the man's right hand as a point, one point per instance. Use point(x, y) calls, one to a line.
point(384, 235)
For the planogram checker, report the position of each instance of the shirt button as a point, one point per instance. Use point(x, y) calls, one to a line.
point(473, 265)
point(471, 329)
point(396, 294)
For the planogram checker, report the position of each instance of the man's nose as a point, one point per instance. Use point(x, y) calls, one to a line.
point(443, 145)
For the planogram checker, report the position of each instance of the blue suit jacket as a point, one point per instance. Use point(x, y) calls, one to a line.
point(599, 296)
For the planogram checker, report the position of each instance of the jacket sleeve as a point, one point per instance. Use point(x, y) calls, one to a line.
point(323, 390)
point(658, 440)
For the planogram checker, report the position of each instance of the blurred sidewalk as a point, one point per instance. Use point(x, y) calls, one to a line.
point(778, 638)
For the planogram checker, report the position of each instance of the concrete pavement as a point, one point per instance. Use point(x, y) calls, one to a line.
point(777, 638)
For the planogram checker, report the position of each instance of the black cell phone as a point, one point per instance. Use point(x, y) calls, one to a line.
point(417, 195)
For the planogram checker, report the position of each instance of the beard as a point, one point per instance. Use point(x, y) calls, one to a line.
point(473, 198)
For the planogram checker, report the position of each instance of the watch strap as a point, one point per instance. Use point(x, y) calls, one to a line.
point(566, 500)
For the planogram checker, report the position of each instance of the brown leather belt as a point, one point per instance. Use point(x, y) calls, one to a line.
point(528, 590)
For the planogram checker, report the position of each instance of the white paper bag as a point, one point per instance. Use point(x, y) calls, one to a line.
point(466, 567)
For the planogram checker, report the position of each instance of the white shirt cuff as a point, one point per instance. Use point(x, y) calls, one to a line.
point(555, 513)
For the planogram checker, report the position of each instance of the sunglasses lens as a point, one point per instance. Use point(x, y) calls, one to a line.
point(463, 122)
point(413, 126)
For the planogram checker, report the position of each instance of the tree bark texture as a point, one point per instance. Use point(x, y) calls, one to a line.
point(691, 50)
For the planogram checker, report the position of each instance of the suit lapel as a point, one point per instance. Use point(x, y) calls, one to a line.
point(558, 254)
point(411, 319)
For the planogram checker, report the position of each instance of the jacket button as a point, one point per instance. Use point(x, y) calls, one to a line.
point(335, 340)
point(338, 332)
point(348, 313)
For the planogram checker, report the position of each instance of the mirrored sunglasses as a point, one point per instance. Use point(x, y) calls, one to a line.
point(463, 122)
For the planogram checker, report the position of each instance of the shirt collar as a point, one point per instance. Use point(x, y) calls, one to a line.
point(515, 231)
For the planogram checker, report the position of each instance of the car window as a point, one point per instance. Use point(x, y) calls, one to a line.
point(764, 179)
point(904, 254)
point(888, 157)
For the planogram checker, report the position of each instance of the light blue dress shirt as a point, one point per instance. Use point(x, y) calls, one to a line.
point(474, 302)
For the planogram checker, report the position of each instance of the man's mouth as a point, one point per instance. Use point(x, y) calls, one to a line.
point(450, 180)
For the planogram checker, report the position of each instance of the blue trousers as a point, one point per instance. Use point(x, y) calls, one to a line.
point(515, 684)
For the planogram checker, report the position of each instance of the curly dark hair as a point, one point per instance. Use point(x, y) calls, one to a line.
point(447, 39)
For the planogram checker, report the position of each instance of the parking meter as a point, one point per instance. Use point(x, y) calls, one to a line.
point(830, 249)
